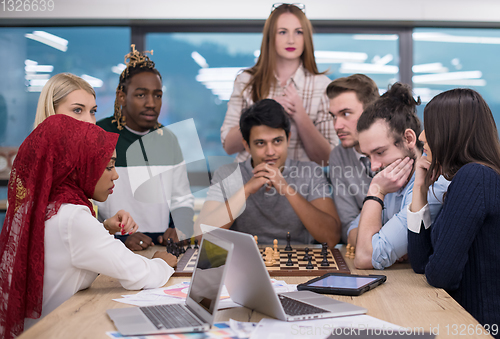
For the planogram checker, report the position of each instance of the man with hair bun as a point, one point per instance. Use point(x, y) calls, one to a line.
point(165, 198)
point(350, 172)
point(388, 133)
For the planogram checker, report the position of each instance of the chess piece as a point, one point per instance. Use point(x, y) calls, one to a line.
point(181, 247)
point(324, 248)
point(350, 251)
point(175, 249)
point(269, 263)
point(289, 262)
point(288, 247)
point(196, 244)
point(256, 239)
point(306, 256)
point(269, 260)
point(276, 254)
point(325, 260)
point(309, 265)
point(189, 244)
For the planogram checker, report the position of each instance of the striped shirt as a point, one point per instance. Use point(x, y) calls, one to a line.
point(311, 88)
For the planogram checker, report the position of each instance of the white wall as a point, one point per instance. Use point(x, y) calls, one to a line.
point(430, 12)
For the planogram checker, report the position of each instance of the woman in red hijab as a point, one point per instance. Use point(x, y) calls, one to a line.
point(51, 245)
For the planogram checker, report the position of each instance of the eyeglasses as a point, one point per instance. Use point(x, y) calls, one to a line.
point(300, 6)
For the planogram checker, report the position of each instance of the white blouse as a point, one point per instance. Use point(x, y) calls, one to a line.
point(415, 219)
point(78, 247)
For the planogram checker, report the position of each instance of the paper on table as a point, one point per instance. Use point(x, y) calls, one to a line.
point(242, 329)
point(315, 329)
point(218, 331)
point(176, 294)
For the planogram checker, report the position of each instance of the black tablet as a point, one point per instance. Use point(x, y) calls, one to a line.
point(344, 284)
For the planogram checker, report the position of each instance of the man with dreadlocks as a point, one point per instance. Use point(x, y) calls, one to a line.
point(153, 186)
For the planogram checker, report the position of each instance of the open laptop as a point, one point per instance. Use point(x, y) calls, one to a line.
point(249, 284)
point(198, 313)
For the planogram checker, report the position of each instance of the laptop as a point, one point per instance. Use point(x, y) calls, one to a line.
point(198, 312)
point(249, 284)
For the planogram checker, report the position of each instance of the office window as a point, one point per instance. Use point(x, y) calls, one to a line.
point(375, 55)
point(199, 69)
point(446, 58)
point(32, 55)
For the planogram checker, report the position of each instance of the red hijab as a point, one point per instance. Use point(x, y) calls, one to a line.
point(59, 162)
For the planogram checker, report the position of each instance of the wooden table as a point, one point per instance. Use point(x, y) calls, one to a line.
point(405, 299)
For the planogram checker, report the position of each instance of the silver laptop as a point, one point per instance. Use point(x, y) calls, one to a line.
point(249, 284)
point(198, 313)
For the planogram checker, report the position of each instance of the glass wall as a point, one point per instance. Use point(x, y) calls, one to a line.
point(30, 56)
point(199, 69)
point(446, 58)
point(36, 54)
point(376, 55)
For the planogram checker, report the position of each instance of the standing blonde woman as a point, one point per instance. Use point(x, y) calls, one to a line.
point(68, 94)
point(286, 72)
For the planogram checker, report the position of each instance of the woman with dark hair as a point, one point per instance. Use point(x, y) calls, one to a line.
point(51, 245)
point(285, 71)
point(459, 251)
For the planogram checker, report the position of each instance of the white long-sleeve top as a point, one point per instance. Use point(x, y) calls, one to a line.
point(78, 247)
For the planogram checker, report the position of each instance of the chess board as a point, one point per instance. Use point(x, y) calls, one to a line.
point(187, 261)
point(334, 257)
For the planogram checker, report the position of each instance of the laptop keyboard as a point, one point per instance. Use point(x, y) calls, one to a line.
point(295, 307)
point(170, 316)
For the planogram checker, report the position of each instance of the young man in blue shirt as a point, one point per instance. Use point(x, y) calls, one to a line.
point(388, 133)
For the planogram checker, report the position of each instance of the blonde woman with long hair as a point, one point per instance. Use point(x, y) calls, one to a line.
point(68, 94)
point(285, 71)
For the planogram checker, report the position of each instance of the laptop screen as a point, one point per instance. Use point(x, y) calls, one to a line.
point(207, 278)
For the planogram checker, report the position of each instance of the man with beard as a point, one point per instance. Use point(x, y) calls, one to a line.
point(153, 186)
point(388, 133)
point(350, 172)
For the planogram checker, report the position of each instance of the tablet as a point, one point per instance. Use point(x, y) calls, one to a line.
point(344, 284)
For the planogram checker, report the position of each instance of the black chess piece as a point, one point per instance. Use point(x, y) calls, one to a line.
point(309, 265)
point(189, 244)
point(181, 247)
point(324, 249)
point(169, 245)
point(306, 256)
point(289, 262)
point(288, 247)
point(175, 249)
point(325, 260)
point(196, 244)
